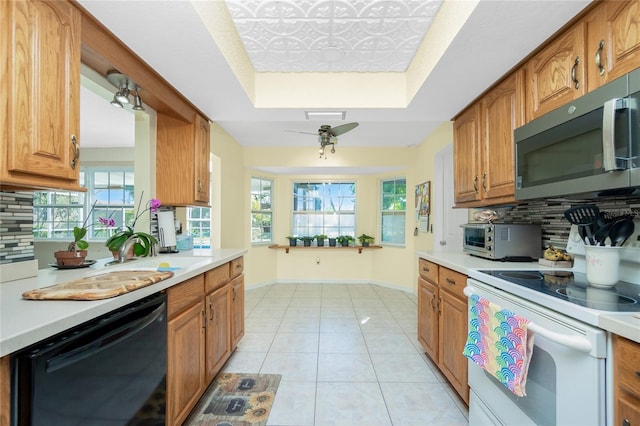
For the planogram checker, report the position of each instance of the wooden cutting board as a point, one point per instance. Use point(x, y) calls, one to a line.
point(97, 287)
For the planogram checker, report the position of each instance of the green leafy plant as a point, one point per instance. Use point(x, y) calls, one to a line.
point(144, 241)
point(292, 240)
point(345, 240)
point(365, 239)
point(320, 237)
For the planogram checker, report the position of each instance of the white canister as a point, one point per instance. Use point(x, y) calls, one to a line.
point(603, 265)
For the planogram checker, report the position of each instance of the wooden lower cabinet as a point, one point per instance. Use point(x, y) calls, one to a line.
point(626, 379)
point(185, 362)
point(5, 390)
point(205, 323)
point(442, 322)
point(218, 339)
point(237, 310)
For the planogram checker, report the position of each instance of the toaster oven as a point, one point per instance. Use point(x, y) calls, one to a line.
point(503, 241)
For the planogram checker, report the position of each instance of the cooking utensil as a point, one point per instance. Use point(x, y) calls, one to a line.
point(620, 231)
point(603, 233)
point(584, 216)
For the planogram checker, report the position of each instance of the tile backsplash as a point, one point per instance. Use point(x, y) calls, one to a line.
point(550, 215)
point(16, 227)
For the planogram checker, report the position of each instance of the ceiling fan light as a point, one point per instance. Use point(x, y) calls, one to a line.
point(333, 149)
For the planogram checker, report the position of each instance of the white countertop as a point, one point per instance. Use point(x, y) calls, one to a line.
point(24, 322)
point(624, 324)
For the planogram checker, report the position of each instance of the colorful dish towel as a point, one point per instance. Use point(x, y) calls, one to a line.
point(500, 343)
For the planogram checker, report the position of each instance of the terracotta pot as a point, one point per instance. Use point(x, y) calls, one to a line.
point(70, 258)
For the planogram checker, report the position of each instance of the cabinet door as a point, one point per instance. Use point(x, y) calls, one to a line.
point(237, 310)
point(556, 75)
point(428, 318)
point(501, 111)
point(181, 179)
point(452, 337)
point(185, 362)
point(466, 155)
point(613, 41)
point(218, 330)
point(627, 410)
point(41, 88)
point(202, 150)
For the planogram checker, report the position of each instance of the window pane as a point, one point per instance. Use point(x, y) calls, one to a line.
point(261, 195)
point(393, 210)
point(323, 208)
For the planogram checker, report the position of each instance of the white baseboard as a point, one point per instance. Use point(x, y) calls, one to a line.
point(330, 282)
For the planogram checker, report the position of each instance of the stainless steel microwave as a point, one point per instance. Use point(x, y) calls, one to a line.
point(589, 146)
point(502, 241)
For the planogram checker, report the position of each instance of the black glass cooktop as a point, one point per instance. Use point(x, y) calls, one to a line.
point(573, 287)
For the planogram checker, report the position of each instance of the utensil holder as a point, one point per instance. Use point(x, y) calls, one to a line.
point(602, 265)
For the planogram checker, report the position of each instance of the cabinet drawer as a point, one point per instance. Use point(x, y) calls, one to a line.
point(627, 364)
point(428, 270)
point(452, 282)
point(216, 277)
point(237, 267)
point(185, 294)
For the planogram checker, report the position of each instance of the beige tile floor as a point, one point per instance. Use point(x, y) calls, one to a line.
point(348, 355)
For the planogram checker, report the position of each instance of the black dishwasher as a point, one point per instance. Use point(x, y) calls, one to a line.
point(108, 371)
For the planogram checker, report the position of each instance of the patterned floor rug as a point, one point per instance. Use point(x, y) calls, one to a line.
point(236, 399)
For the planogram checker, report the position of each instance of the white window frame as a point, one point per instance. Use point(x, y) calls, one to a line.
point(393, 212)
point(260, 211)
point(122, 213)
point(194, 227)
point(341, 230)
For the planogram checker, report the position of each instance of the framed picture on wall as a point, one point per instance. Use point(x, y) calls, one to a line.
point(423, 205)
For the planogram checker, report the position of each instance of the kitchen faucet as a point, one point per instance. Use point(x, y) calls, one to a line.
point(124, 248)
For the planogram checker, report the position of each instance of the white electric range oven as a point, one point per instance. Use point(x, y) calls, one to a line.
point(567, 382)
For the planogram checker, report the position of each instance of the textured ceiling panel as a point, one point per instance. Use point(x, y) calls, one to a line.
point(332, 35)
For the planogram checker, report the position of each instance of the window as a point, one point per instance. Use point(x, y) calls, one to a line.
point(55, 213)
point(199, 226)
point(261, 210)
point(393, 210)
point(324, 208)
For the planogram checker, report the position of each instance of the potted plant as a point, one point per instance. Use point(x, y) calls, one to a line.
point(320, 240)
point(345, 240)
point(76, 251)
point(143, 243)
point(293, 241)
point(332, 241)
point(307, 240)
point(365, 240)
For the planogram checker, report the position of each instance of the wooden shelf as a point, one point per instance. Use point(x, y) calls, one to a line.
point(359, 248)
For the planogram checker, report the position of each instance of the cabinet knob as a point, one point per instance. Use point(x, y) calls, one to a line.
point(76, 149)
point(626, 422)
point(599, 57)
point(574, 77)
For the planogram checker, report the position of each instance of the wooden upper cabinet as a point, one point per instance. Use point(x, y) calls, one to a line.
point(40, 94)
point(182, 161)
point(502, 110)
point(556, 74)
point(203, 150)
point(483, 145)
point(466, 155)
point(613, 41)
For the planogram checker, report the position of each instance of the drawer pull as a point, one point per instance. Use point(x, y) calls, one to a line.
point(638, 373)
point(599, 57)
point(425, 269)
point(204, 319)
point(433, 301)
point(211, 311)
point(574, 77)
point(626, 422)
point(450, 281)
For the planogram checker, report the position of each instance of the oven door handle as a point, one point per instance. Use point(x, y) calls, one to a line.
point(578, 343)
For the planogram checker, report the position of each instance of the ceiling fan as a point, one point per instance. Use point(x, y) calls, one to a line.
point(328, 135)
